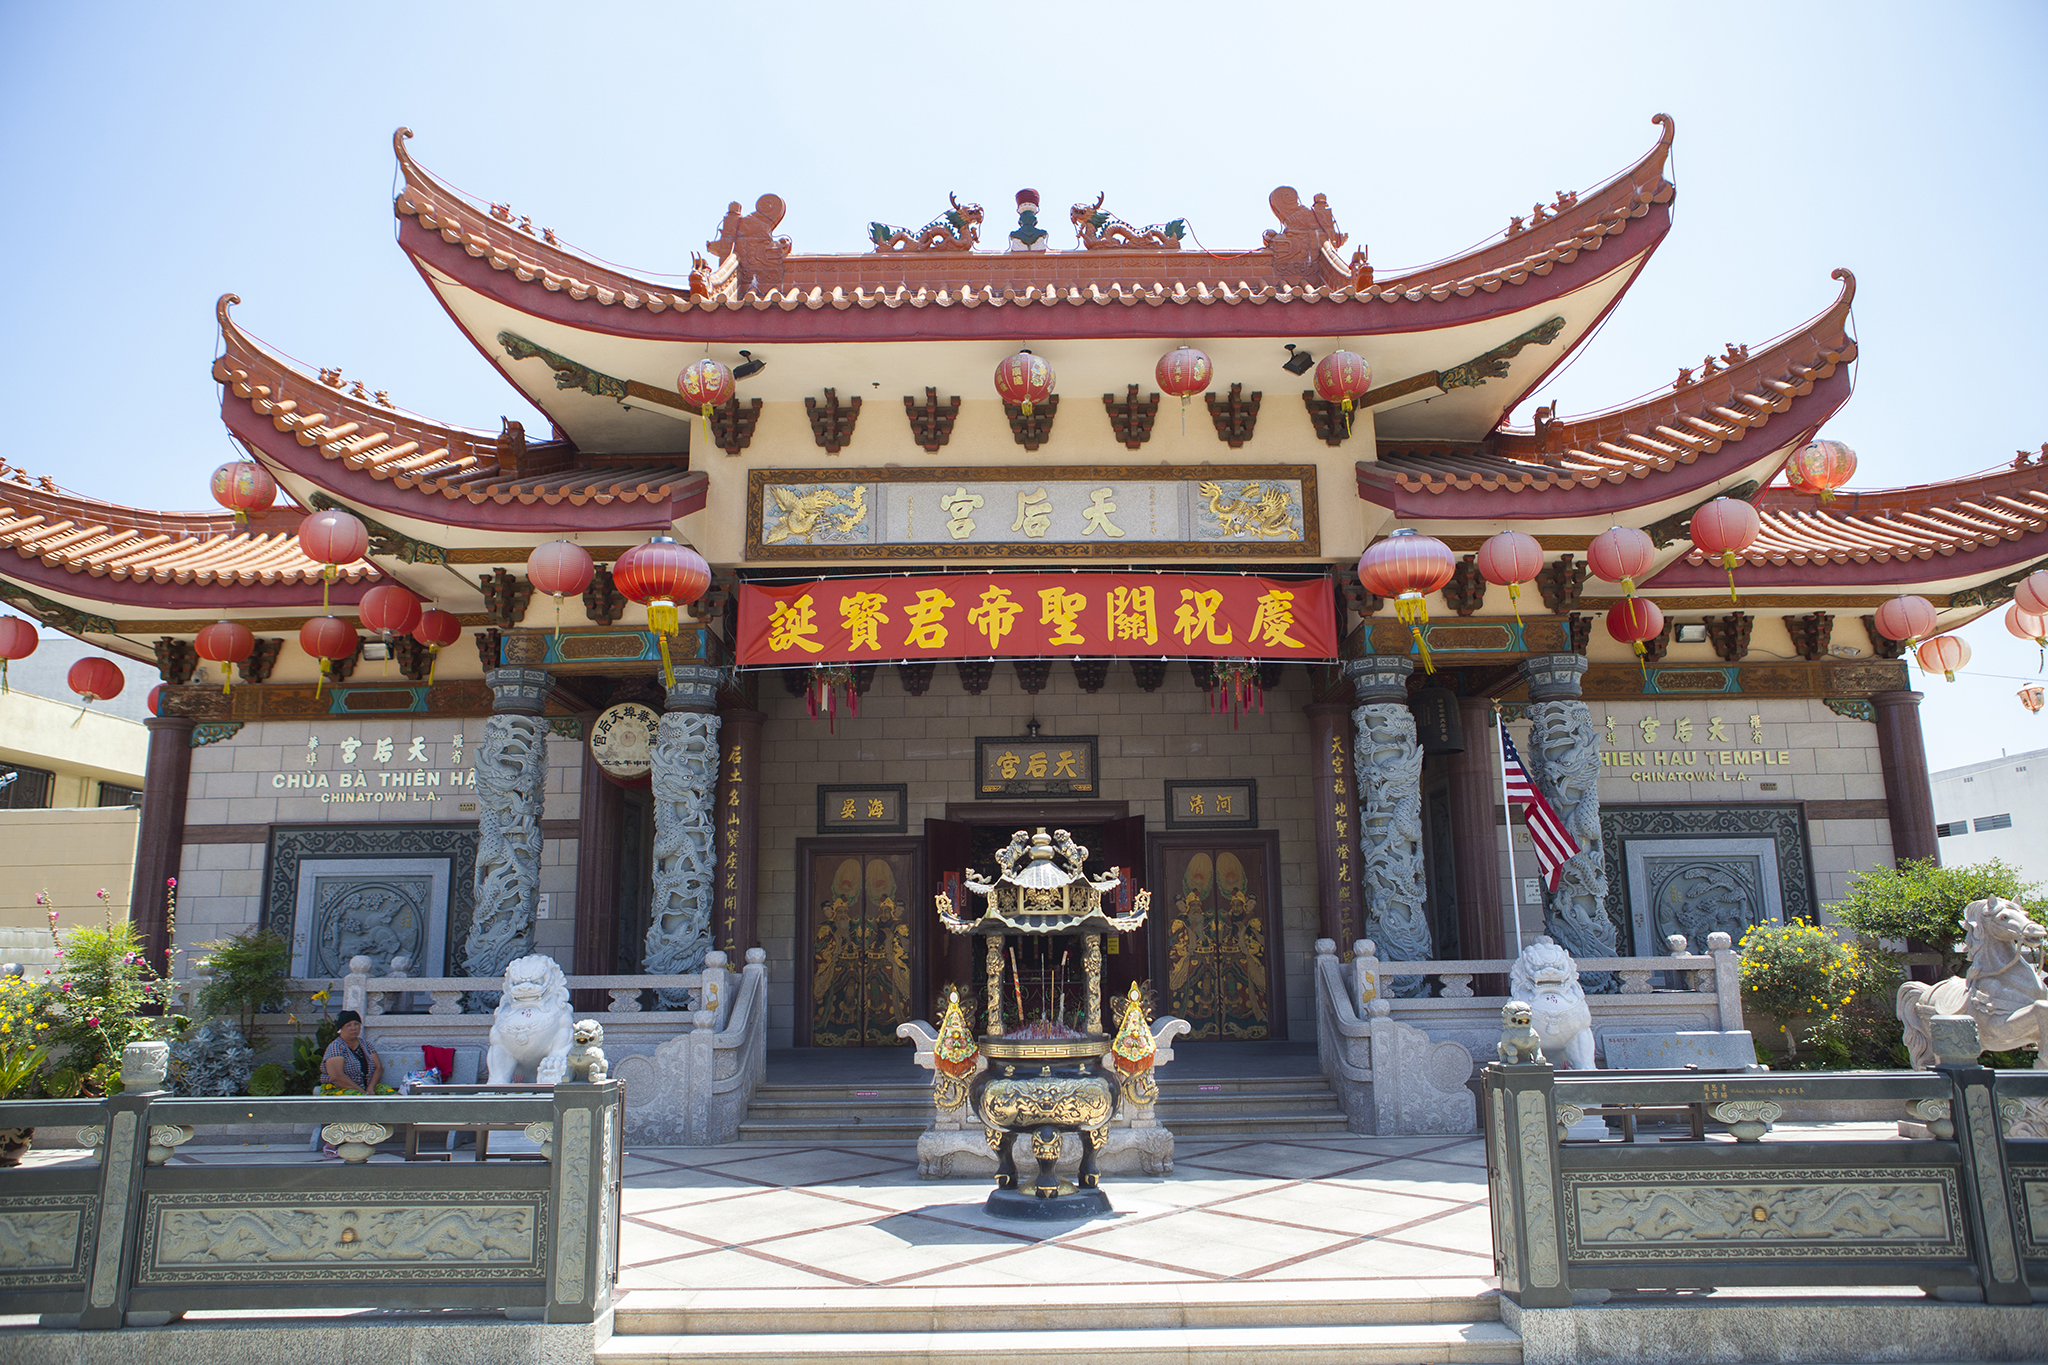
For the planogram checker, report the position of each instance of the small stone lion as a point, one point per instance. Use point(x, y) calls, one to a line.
point(1546, 977)
point(1519, 1045)
point(534, 1025)
point(586, 1062)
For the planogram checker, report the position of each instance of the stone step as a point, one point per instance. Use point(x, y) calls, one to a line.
point(1036, 1307)
point(890, 1130)
point(1466, 1343)
point(1255, 1125)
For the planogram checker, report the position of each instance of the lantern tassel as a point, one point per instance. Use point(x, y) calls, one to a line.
point(1643, 660)
point(322, 683)
point(664, 621)
point(1728, 562)
point(226, 673)
point(668, 672)
point(433, 658)
point(1515, 598)
point(327, 577)
point(3, 677)
point(1414, 613)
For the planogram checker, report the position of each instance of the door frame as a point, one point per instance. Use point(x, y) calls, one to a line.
point(921, 924)
point(1156, 847)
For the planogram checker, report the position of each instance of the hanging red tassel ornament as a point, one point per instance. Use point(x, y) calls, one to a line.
point(1726, 527)
point(1509, 560)
point(1633, 621)
point(827, 684)
point(661, 576)
point(1406, 568)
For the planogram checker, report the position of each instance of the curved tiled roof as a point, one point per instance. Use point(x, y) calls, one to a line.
point(1776, 385)
point(1898, 524)
point(996, 279)
point(61, 530)
point(265, 396)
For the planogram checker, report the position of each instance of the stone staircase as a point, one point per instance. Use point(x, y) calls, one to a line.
point(897, 1111)
point(1198, 1324)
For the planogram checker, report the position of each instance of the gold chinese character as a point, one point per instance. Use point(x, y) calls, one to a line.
point(1096, 513)
point(1611, 741)
point(874, 808)
point(1062, 609)
point(994, 617)
point(732, 797)
point(1222, 804)
point(1717, 731)
point(1275, 617)
point(862, 615)
point(1034, 513)
point(1034, 766)
point(959, 506)
point(1197, 615)
point(1195, 803)
point(1681, 729)
point(1131, 616)
point(1756, 729)
point(1648, 725)
point(791, 623)
point(927, 619)
point(1006, 764)
point(846, 809)
point(1065, 767)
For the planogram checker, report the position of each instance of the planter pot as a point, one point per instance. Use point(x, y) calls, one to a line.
point(14, 1145)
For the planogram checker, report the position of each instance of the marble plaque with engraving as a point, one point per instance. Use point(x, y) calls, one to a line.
point(376, 908)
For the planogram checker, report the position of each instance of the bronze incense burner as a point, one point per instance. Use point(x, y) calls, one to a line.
point(1049, 1065)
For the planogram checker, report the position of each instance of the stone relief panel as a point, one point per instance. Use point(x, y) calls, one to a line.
point(48, 1242)
point(1804, 1215)
point(444, 854)
point(302, 1237)
point(1676, 831)
point(378, 909)
point(1388, 763)
point(1698, 887)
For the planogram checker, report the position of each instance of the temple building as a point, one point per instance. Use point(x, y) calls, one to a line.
point(929, 626)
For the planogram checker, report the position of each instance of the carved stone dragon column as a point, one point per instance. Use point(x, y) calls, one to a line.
point(1388, 764)
point(1563, 759)
point(511, 784)
point(685, 828)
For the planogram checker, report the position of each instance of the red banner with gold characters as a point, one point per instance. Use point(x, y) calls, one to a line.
point(1027, 615)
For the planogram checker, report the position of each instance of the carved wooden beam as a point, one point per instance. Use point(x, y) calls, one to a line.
point(1235, 416)
point(1150, 673)
point(175, 659)
point(1466, 592)
point(931, 424)
point(603, 603)
point(832, 422)
point(1033, 431)
point(1730, 635)
point(975, 675)
point(732, 424)
point(505, 596)
point(1130, 419)
point(1811, 634)
point(261, 661)
point(1561, 584)
point(1882, 645)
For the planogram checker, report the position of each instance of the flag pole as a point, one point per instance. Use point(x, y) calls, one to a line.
point(1507, 809)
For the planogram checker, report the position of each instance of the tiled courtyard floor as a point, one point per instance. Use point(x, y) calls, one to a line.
point(1409, 1212)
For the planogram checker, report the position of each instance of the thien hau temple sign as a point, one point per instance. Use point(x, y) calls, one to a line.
point(749, 664)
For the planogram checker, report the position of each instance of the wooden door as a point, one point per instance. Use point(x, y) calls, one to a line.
point(1126, 957)
point(1216, 934)
point(866, 941)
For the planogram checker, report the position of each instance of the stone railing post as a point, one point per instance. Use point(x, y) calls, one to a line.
point(511, 788)
point(1727, 981)
point(1387, 762)
point(587, 1150)
point(1973, 1107)
point(124, 1155)
point(1522, 1174)
point(355, 987)
point(703, 1069)
point(716, 994)
point(685, 845)
point(1563, 759)
point(1365, 981)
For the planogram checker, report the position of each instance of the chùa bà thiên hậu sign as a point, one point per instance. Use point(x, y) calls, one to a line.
point(1026, 615)
point(1709, 748)
point(378, 770)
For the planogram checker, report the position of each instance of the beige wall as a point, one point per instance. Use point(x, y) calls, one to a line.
point(71, 854)
point(83, 748)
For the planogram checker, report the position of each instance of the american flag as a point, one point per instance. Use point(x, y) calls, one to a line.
point(1554, 843)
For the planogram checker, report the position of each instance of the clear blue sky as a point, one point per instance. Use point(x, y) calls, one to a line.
point(157, 156)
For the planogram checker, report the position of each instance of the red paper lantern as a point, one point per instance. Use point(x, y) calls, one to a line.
point(2033, 696)
point(1618, 554)
point(243, 487)
point(1407, 567)
point(225, 643)
point(156, 697)
point(389, 610)
point(705, 384)
point(1821, 467)
point(331, 539)
point(1946, 653)
point(661, 575)
point(1633, 621)
point(95, 678)
point(1726, 527)
point(2027, 626)
point(1509, 560)
point(2032, 593)
point(1183, 372)
point(18, 640)
point(437, 629)
point(1342, 377)
point(1024, 379)
point(560, 569)
point(327, 639)
point(1906, 618)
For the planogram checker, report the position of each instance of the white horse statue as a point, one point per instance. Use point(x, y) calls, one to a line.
point(2003, 991)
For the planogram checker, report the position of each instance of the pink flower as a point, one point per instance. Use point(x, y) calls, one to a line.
point(170, 881)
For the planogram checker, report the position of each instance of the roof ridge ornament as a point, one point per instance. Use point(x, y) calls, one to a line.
point(957, 229)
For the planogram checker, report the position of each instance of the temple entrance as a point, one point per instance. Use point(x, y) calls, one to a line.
point(864, 936)
point(1216, 957)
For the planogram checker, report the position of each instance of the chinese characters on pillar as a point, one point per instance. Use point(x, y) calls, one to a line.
point(960, 616)
point(729, 829)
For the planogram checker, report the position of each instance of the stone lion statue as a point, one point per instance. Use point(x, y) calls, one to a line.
point(586, 1061)
point(1546, 977)
point(534, 1027)
point(1518, 1044)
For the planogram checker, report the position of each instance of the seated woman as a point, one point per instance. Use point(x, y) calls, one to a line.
point(351, 1066)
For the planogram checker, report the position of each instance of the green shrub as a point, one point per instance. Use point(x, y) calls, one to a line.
point(103, 988)
point(1797, 970)
point(248, 973)
point(1921, 902)
point(268, 1080)
point(1864, 1032)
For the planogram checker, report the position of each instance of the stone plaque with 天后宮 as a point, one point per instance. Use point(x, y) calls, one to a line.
point(1047, 765)
point(870, 809)
point(1212, 805)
